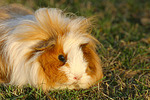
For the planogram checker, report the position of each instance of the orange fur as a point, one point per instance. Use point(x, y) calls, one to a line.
point(4, 76)
point(94, 67)
point(49, 74)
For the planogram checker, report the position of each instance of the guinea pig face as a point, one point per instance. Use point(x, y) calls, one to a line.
point(70, 62)
point(76, 64)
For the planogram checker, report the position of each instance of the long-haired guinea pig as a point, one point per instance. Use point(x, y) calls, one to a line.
point(49, 49)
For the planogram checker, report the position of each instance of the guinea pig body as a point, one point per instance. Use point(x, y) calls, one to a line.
point(47, 49)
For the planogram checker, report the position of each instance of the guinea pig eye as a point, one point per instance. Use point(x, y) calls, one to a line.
point(62, 58)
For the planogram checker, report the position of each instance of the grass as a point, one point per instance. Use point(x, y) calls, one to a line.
point(123, 28)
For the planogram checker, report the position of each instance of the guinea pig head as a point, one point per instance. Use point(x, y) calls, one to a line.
point(68, 57)
point(70, 61)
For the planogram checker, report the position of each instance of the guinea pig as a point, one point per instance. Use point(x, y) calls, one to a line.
point(47, 48)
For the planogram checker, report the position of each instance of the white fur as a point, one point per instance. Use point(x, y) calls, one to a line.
point(22, 72)
point(76, 61)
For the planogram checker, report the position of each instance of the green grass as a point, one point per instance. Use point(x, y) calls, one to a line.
point(123, 28)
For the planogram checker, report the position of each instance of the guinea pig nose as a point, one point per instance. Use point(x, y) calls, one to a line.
point(77, 77)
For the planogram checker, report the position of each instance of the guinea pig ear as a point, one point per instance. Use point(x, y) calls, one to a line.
point(83, 45)
point(42, 45)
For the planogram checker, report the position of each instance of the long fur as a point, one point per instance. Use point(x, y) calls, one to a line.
point(31, 42)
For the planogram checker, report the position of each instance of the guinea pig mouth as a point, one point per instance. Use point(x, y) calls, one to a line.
point(76, 86)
